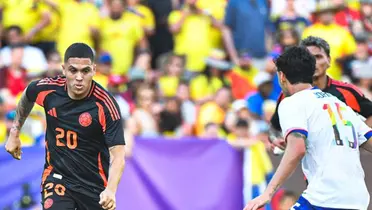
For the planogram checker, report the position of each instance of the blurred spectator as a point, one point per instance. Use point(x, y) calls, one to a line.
point(13, 78)
point(366, 13)
point(188, 109)
point(54, 64)
point(211, 131)
point(347, 17)
point(161, 42)
point(206, 84)
point(121, 33)
point(216, 8)
point(269, 107)
point(147, 18)
point(265, 91)
point(241, 78)
point(116, 85)
point(143, 117)
point(239, 110)
point(358, 67)
point(32, 16)
point(191, 28)
point(27, 200)
point(326, 28)
point(136, 78)
point(285, 38)
point(172, 69)
point(74, 28)
point(302, 7)
point(3, 128)
point(240, 137)
point(247, 24)
point(290, 19)
point(32, 58)
point(287, 200)
point(213, 111)
point(171, 117)
point(103, 69)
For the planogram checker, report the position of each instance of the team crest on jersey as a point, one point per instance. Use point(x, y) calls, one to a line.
point(48, 203)
point(85, 119)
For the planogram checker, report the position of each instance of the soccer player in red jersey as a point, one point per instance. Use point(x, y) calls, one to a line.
point(346, 92)
point(84, 138)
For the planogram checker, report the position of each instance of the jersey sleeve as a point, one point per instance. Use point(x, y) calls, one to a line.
point(112, 123)
point(359, 102)
point(37, 90)
point(292, 117)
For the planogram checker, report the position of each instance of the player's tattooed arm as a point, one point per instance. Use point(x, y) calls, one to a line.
point(24, 108)
point(294, 152)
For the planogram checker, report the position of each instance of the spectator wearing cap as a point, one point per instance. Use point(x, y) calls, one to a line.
point(241, 78)
point(104, 67)
point(358, 67)
point(205, 85)
point(121, 34)
point(116, 86)
point(342, 45)
point(265, 90)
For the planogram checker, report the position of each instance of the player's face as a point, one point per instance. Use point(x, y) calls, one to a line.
point(79, 74)
point(322, 61)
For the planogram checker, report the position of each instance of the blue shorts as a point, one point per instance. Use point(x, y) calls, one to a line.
point(303, 204)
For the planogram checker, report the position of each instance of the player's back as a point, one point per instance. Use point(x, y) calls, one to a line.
point(332, 160)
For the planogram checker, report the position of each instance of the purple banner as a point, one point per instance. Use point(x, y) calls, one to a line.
point(162, 175)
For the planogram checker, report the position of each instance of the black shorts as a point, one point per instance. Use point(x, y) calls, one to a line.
point(55, 196)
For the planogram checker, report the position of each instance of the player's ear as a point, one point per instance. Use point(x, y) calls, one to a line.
point(328, 61)
point(63, 69)
point(94, 69)
point(282, 78)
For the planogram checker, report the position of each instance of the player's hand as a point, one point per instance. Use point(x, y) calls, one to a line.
point(107, 200)
point(279, 142)
point(258, 202)
point(13, 146)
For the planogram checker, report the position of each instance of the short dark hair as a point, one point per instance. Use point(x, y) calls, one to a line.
point(297, 64)
point(17, 28)
point(79, 50)
point(317, 42)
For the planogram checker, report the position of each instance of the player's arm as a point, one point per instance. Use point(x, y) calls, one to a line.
point(114, 139)
point(294, 152)
point(275, 135)
point(13, 144)
point(293, 121)
point(117, 157)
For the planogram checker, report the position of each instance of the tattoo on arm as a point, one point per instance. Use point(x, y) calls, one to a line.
point(23, 110)
point(298, 135)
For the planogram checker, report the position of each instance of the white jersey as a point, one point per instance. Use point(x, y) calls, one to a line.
point(332, 160)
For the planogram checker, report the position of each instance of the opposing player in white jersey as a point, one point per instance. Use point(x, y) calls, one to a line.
point(325, 134)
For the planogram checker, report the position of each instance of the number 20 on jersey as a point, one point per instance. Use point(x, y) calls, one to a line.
point(69, 136)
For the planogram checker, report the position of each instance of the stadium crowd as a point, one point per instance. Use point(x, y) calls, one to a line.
point(179, 67)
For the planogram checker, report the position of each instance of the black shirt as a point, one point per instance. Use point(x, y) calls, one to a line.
point(79, 133)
